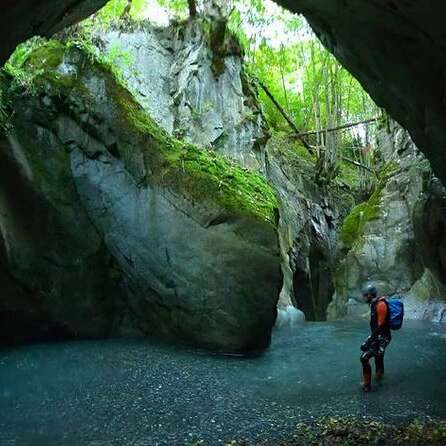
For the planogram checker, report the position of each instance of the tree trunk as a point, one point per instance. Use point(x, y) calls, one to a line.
point(127, 9)
point(192, 8)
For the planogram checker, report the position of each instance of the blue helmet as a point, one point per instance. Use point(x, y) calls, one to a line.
point(370, 289)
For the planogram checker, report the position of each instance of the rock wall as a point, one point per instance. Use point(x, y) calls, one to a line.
point(310, 215)
point(396, 239)
point(175, 76)
point(194, 86)
point(123, 229)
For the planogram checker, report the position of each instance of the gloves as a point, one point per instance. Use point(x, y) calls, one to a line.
point(365, 346)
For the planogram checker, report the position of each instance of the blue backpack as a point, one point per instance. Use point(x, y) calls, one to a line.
point(396, 312)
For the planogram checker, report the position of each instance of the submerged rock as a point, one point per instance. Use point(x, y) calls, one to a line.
point(151, 235)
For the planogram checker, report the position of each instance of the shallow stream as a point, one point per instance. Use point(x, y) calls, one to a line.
point(139, 393)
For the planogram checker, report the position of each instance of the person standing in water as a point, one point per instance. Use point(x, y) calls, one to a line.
point(375, 345)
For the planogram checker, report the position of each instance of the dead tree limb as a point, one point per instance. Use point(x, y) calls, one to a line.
point(287, 118)
point(355, 163)
point(334, 129)
point(127, 9)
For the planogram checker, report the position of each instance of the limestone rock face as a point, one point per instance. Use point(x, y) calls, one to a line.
point(193, 87)
point(398, 248)
point(310, 215)
point(174, 76)
point(128, 230)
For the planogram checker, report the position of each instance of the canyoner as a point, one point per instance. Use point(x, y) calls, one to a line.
point(193, 195)
point(385, 315)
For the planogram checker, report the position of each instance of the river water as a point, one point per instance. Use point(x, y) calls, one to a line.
point(140, 393)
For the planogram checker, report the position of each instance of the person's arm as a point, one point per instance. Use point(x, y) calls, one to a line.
point(381, 314)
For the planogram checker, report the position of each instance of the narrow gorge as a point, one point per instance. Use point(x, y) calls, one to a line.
point(175, 187)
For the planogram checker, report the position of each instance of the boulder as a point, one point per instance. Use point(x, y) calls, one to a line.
point(187, 238)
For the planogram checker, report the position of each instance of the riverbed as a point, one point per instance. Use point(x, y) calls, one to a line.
point(122, 392)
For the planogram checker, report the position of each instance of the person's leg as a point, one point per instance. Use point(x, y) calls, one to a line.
point(383, 342)
point(379, 364)
point(366, 370)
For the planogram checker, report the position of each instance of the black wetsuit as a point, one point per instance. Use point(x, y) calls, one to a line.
point(377, 342)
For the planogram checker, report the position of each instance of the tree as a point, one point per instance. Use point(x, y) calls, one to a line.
point(312, 89)
point(127, 9)
point(192, 8)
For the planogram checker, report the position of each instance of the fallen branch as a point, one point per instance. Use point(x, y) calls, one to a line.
point(334, 129)
point(357, 164)
point(287, 118)
point(347, 160)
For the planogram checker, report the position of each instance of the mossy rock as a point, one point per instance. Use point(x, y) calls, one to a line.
point(193, 236)
point(354, 223)
point(196, 173)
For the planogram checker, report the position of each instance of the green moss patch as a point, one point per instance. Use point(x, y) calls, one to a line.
point(293, 153)
point(354, 223)
point(349, 175)
point(33, 65)
point(199, 174)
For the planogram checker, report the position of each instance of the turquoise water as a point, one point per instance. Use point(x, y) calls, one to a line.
point(142, 393)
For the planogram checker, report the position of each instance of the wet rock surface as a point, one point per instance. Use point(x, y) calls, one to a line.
point(135, 393)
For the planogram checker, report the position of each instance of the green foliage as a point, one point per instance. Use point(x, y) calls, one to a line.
point(349, 175)
point(113, 11)
point(176, 8)
point(15, 66)
point(4, 106)
point(295, 156)
point(33, 65)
